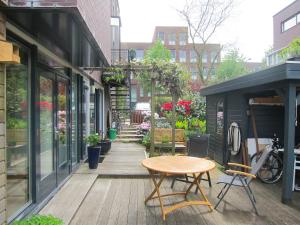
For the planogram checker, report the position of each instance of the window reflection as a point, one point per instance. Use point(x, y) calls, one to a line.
point(17, 131)
point(46, 126)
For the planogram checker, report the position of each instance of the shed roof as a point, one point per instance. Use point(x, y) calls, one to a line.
point(286, 71)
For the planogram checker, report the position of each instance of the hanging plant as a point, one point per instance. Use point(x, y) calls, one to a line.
point(114, 75)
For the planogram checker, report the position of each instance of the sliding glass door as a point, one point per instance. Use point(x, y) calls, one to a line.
point(53, 111)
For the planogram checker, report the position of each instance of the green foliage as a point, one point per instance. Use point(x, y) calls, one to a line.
point(158, 52)
point(182, 124)
point(92, 139)
point(146, 140)
point(169, 77)
point(163, 124)
point(16, 123)
point(233, 65)
point(40, 220)
point(292, 50)
point(117, 75)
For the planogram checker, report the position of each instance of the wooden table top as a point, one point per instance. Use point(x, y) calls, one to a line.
point(178, 164)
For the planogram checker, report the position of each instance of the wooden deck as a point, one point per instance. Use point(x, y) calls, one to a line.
point(124, 159)
point(90, 199)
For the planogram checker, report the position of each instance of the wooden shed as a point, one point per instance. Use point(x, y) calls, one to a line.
point(273, 95)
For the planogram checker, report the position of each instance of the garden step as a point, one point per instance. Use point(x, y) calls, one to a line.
point(127, 140)
point(130, 135)
point(128, 132)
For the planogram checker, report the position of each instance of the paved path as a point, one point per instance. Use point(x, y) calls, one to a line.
point(123, 160)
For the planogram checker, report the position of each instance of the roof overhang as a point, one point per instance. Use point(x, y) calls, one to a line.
point(72, 10)
point(283, 72)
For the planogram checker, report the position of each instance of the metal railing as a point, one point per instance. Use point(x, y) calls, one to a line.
point(119, 56)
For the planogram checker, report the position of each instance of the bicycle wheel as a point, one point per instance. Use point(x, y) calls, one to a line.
point(272, 169)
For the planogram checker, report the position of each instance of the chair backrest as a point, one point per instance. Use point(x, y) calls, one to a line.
point(198, 146)
point(262, 159)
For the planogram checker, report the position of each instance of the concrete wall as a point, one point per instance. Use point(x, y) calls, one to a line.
point(2, 131)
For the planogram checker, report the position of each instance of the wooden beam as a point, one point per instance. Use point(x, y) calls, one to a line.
point(289, 139)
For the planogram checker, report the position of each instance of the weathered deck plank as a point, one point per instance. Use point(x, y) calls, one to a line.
point(66, 202)
point(124, 159)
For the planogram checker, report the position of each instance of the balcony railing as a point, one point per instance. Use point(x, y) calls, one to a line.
point(119, 56)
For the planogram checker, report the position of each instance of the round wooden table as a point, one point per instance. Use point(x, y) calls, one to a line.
point(177, 165)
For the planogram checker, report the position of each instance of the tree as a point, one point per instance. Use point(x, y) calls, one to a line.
point(204, 18)
point(233, 65)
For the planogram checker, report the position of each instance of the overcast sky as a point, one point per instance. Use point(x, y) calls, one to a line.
point(250, 28)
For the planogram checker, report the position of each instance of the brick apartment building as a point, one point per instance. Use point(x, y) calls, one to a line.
point(286, 27)
point(51, 97)
point(176, 40)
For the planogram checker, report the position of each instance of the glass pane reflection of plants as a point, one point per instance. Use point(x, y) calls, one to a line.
point(17, 115)
point(46, 126)
point(62, 122)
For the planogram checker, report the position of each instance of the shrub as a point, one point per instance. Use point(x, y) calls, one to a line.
point(40, 220)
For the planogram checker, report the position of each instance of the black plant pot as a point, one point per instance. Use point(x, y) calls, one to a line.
point(93, 156)
point(105, 146)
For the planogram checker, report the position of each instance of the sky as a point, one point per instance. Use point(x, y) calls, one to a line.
point(249, 28)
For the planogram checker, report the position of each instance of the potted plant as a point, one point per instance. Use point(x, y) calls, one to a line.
point(104, 143)
point(93, 150)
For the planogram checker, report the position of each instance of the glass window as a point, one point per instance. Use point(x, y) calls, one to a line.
point(213, 57)
point(173, 55)
point(62, 118)
point(161, 36)
point(74, 120)
point(18, 135)
point(205, 72)
point(172, 39)
point(133, 94)
point(182, 56)
point(213, 71)
point(182, 38)
point(141, 92)
point(46, 126)
point(204, 57)
point(139, 54)
point(220, 117)
point(149, 94)
point(289, 23)
point(194, 73)
point(193, 56)
point(92, 110)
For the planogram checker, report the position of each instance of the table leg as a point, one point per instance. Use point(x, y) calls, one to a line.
point(156, 190)
point(197, 179)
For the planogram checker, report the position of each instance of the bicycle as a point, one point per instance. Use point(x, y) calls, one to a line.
point(271, 171)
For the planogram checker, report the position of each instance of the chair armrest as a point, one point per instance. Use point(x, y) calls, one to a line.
point(241, 173)
point(239, 165)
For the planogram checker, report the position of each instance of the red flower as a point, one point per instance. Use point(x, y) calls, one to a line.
point(167, 106)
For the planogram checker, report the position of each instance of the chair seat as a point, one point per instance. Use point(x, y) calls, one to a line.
point(226, 179)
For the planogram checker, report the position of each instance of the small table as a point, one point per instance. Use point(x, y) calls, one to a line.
point(177, 165)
